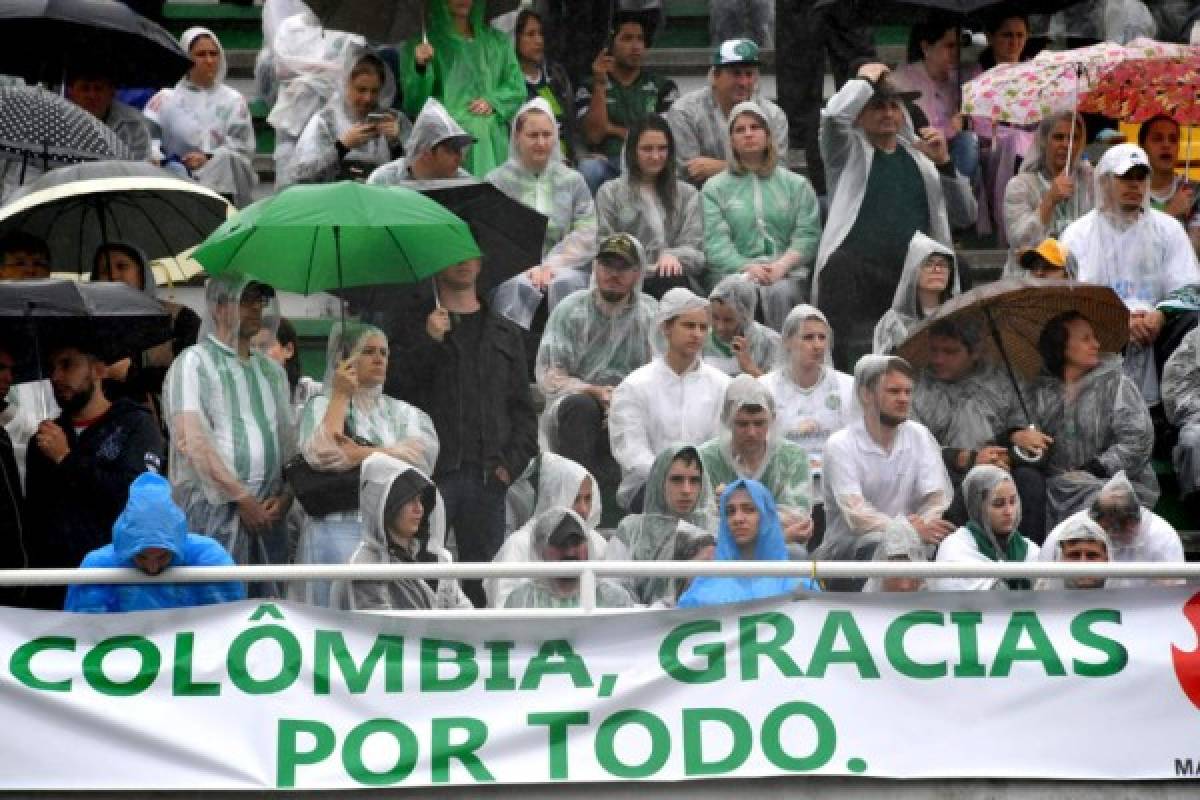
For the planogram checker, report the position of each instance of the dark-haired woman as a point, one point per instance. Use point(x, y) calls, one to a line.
point(1090, 417)
point(545, 79)
point(662, 212)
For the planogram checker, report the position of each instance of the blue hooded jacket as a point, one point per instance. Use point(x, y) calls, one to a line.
point(769, 546)
point(151, 519)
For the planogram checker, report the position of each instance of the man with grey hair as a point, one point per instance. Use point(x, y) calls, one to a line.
point(881, 467)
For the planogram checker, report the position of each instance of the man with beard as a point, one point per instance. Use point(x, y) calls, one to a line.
point(882, 467)
point(560, 535)
point(593, 340)
point(79, 466)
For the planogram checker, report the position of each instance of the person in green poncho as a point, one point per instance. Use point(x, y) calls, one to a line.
point(992, 532)
point(472, 69)
point(750, 446)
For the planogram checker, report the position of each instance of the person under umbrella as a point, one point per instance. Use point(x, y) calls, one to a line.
point(929, 279)
point(204, 125)
point(404, 522)
point(91, 87)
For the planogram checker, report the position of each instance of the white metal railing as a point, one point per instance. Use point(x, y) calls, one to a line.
point(589, 571)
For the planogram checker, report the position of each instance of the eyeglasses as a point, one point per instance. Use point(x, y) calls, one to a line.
point(936, 264)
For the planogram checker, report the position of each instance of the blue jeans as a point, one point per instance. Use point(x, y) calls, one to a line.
point(964, 152)
point(475, 509)
point(598, 170)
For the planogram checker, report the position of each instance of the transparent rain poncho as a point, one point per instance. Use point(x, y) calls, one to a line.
point(768, 546)
point(561, 194)
point(591, 342)
point(462, 71)
point(1181, 402)
point(1150, 538)
point(687, 544)
point(865, 486)
point(151, 519)
point(749, 218)
point(230, 424)
point(977, 541)
point(1142, 255)
point(560, 592)
point(899, 542)
point(646, 536)
point(906, 311)
point(431, 126)
point(655, 406)
point(558, 481)
point(381, 476)
point(1107, 421)
point(316, 160)
point(309, 62)
point(807, 416)
point(741, 296)
point(1023, 196)
point(1075, 528)
point(214, 120)
point(784, 468)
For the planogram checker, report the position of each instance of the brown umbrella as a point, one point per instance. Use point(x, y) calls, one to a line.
point(1012, 314)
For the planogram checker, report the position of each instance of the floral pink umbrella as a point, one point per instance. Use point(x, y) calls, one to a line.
point(1138, 89)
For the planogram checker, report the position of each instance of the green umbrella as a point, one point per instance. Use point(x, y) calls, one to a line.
point(321, 237)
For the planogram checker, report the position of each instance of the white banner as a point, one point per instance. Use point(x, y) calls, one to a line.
point(1075, 685)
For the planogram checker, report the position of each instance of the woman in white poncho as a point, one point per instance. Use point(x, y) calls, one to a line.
point(205, 125)
point(351, 419)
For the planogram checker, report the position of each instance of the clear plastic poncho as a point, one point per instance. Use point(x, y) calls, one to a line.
point(768, 546)
point(380, 473)
point(899, 542)
point(647, 536)
point(1181, 402)
point(431, 126)
point(151, 519)
point(559, 592)
point(655, 406)
point(561, 194)
point(967, 413)
point(590, 342)
point(784, 468)
point(1075, 528)
point(741, 296)
point(315, 159)
point(230, 423)
point(906, 311)
point(1142, 255)
point(214, 120)
point(462, 71)
point(1107, 421)
point(978, 542)
point(549, 481)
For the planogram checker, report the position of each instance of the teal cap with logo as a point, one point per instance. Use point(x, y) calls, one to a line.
point(736, 51)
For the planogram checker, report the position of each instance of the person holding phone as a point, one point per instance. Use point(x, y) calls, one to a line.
point(355, 133)
point(737, 345)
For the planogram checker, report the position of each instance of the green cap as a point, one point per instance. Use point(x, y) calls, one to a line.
point(736, 51)
point(623, 246)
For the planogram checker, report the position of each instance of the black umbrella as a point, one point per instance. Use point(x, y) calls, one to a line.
point(35, 315)
point(42, 130)
point(41, 39)
point(877, 12)
point(76, 209)
point(390, 22)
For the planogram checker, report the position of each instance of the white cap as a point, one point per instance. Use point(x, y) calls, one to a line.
point(1121, 158)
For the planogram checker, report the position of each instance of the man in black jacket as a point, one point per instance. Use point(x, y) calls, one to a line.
point(79, 466)
point(13, 543)
point(464, 365)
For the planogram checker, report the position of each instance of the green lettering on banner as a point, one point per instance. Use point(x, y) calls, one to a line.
point(856, 652)
point(1116, 656)
point(660, 744)
point(1019, 624)
point(182, 683)
point(712, 652)
point(969, 665)
point(750, 649)
point(893, 645)
point(462, 656)
point(500, 677)
point(556, 657)
point(331, 646)
point(93, 666)
point(442, 751)
point(406, 762)
point(556, 723)
point(287, 757)
point(693, 740)
point(772, 741)
point(21, 666)
point(290, 660)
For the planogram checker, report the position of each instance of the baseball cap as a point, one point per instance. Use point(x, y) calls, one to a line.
point(736, 51)
point(1050, 250)
point(1121, 159)
point(459, 141)
point(885, 90)
point(566, 532)
point(623, 246)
